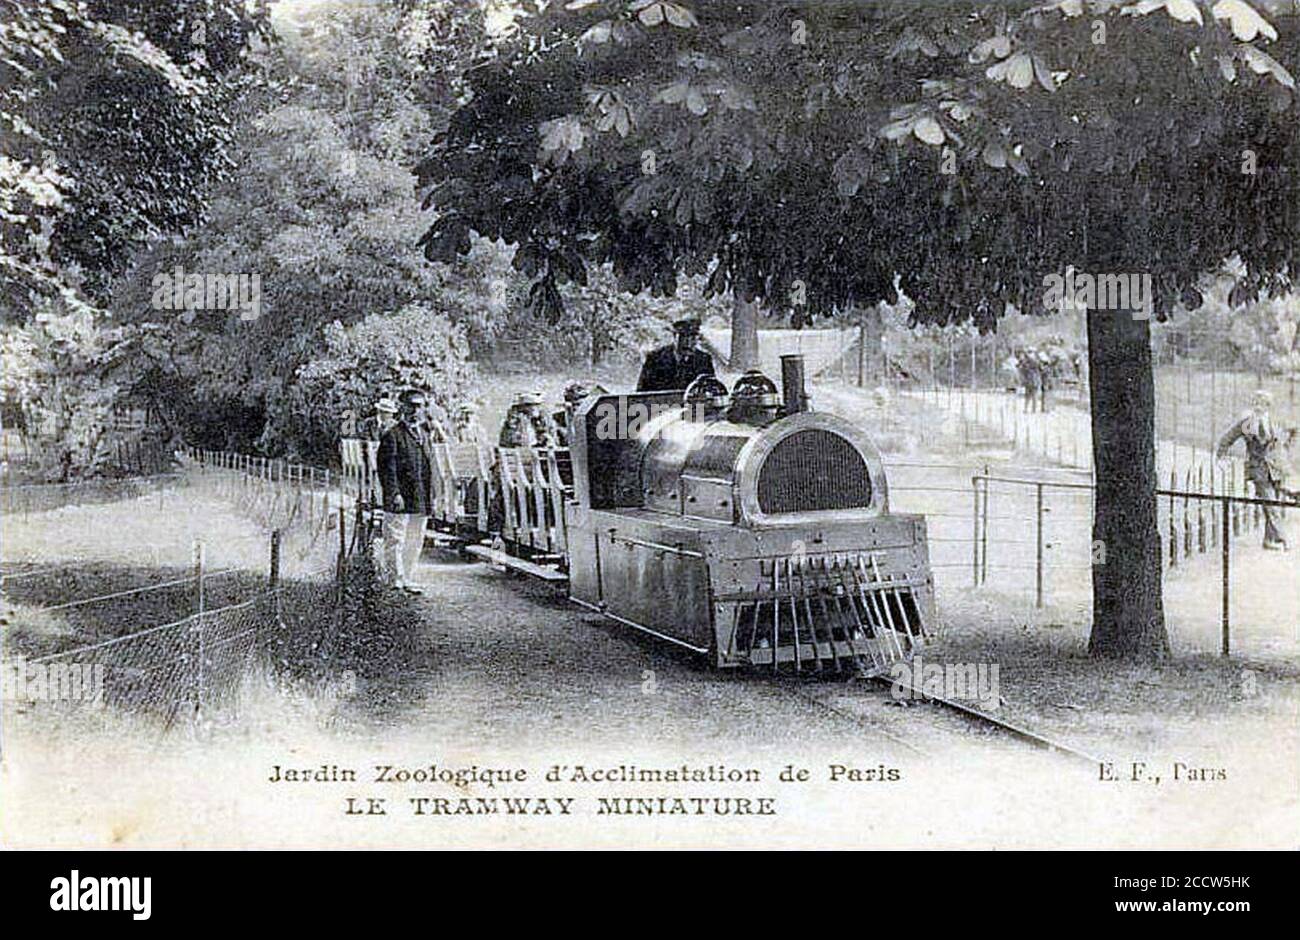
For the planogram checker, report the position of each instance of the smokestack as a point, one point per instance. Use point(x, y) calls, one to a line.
point(792, 384)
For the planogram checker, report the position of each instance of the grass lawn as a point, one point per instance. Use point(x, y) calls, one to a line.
point(1050, 684)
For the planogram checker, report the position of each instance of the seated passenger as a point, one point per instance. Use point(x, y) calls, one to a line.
point(575, 393)
point(527, 424)
point(467, 429)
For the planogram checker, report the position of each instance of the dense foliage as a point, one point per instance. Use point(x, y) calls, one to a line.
point(416, 347)
point(323, 211)
point(64, 367)
point(115, 125)
point(800, 152)
point(116, 122)
point(1259, 336)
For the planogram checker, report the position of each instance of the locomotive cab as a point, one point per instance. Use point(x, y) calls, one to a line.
point(759, 533)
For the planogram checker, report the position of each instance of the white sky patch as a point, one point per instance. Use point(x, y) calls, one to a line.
point(500, 16)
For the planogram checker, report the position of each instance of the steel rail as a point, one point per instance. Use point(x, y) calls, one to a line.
point(858, 720)
point(1014, 730)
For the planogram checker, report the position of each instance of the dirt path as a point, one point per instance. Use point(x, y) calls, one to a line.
point(519, 659)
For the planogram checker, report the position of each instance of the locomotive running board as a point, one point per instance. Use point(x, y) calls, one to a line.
point(596, 608)
point(496, 557)
point(442, 539)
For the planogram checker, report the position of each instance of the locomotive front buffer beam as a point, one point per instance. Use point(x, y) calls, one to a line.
point(798, 598)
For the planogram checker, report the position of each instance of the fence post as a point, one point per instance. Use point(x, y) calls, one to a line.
point(1200, 511)
point(984, 532)
point(1227, 552)
point(862, 348)
point(952, 370)
point(1231, 490)
point(200, 645)
point(1039, 572)
point(343, 550)
point(1173, 526)
point(973, 338)
point(975, 532)
point(275, 570)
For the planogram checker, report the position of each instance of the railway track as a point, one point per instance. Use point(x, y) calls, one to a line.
point(973, 715)
point(802, 689)
point(1011, 729)
point(860, 720)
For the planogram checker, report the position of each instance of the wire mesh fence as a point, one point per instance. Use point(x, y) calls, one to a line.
point(993, 419)
point(312, 508)
point(210, 628)
point(1196, 402)
point(1023, 537)
point(1216, 570)
point(189, 669)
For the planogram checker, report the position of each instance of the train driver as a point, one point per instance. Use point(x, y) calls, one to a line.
point(677, 365)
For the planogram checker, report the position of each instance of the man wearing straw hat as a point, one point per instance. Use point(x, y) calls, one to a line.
point(405, 476)
point(527, 424)
point(1265, 461)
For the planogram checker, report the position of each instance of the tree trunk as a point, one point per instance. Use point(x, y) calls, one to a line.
point(1128, 619)
point(596, 324)
point(744, 334)
point(873, 334)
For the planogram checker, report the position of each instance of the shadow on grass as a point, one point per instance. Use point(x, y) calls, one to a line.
point(1052, 683)
point(366, 639)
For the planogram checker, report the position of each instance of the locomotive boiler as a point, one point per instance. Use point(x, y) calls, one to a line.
point(744, 527)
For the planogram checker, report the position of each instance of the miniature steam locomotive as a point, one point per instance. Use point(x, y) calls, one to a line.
point(739, 525)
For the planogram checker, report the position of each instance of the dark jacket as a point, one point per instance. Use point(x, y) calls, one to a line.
point(404, 469)
point(663, 371)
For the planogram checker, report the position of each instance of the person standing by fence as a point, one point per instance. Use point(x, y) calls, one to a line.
point(405, 476)
point(1027, 368)
point(1265, 461)
point(1046, 377)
